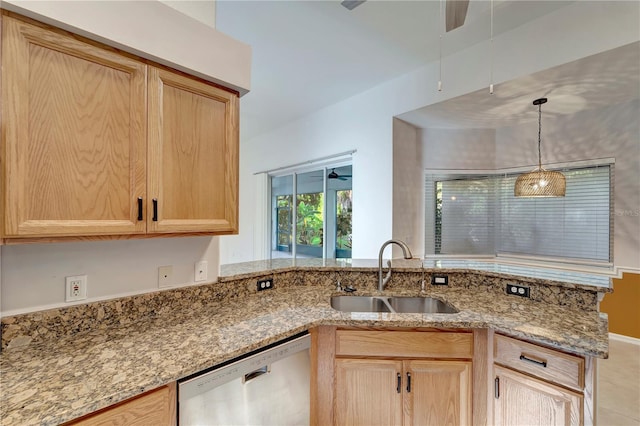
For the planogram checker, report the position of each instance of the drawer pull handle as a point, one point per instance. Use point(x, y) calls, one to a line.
point(399, 383)
point(535, 361)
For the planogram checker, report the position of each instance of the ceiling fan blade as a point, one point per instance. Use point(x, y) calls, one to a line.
point(456, 12)
point(352, 4)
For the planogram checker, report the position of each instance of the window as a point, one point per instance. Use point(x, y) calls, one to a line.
point(479, 215)
point(321, 220)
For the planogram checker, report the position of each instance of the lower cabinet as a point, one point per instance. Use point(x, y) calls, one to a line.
point(401, 378)
point(407, 392)
point(523, 400)
point(156, 407)
point(439, 393)
point(368, 392)
point(538, 385)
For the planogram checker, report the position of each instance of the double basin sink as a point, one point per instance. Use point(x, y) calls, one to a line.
point(400, 305)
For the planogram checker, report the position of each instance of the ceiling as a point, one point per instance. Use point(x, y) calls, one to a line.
point(308, 55)
point(596, 81)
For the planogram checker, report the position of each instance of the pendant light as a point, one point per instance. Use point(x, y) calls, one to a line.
point(540, 182)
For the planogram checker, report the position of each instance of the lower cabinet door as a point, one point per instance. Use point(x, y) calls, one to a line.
point(368, 392)
point(523, 400)
point(437, 393)
point(156, 407)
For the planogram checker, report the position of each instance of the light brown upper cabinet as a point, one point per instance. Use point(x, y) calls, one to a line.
point(99, 143)
point(74, 141)
point(192, 177)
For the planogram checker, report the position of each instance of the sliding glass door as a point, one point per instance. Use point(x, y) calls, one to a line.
point(318, 223)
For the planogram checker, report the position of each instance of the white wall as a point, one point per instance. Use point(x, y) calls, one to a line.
point(610, 132)
point(364, 122)
point(408, 188)
point(202, 10)
point(458, 149)
point(32, 276)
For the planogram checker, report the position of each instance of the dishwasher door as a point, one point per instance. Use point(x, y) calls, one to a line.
point(270, 387)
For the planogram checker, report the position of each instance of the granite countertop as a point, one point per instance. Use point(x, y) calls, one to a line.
point(75, 375)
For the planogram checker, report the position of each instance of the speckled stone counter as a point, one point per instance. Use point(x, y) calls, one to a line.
point(56, 375)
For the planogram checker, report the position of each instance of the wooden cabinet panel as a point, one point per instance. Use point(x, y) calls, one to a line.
point(91, 147)
point(404, 343)
point(157, 408)
point(420, 391)
point(367, 392)
point(193, 155)
point(523, 400)
point(439, 393)
point(561, 368)
point(74, 138)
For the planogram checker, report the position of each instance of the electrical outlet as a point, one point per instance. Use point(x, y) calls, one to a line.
point(200, 271)
point(76, 288)
point(517, 290)
point(439, 280)
point(265, 284)
point(165, 276)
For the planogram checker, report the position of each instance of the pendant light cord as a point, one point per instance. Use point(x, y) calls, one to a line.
point(491, 54)
point(440, 49)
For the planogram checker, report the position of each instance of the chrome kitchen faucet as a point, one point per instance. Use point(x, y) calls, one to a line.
point(407, 255)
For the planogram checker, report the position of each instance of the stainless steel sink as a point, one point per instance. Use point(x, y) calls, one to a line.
point(425, 305)
point(401, 305)
point(360, 304)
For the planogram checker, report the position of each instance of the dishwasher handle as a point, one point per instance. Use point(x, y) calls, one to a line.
point(256, 373)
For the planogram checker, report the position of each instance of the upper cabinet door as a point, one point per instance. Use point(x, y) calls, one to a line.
point(74, 122)
point(192, 156)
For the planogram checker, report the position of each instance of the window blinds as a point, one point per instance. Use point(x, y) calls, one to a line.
point(480, 215)
point(468, 215)
point(574, 226)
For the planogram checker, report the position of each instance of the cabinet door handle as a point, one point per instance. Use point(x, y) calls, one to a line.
point(408, 382)
point(496, 387)
point(139, 208)
point(155, 210)
point(523, 357)
point(399, 386)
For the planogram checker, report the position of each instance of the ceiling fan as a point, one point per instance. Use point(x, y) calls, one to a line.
point(455, 11)
point(334, 175)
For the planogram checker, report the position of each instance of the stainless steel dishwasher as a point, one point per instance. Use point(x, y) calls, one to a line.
point(267, 387)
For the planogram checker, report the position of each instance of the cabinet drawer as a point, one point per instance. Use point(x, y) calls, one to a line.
point(426, 344)
point(548, 364)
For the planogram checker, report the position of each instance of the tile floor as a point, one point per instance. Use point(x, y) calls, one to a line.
point(619, 385)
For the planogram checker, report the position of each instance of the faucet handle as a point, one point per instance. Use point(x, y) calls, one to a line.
point(339, 286)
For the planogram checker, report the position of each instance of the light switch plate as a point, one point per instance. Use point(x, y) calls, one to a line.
point(165, 276)
point(200, 271)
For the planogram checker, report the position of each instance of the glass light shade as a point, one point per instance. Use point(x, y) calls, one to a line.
point(540, 183)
